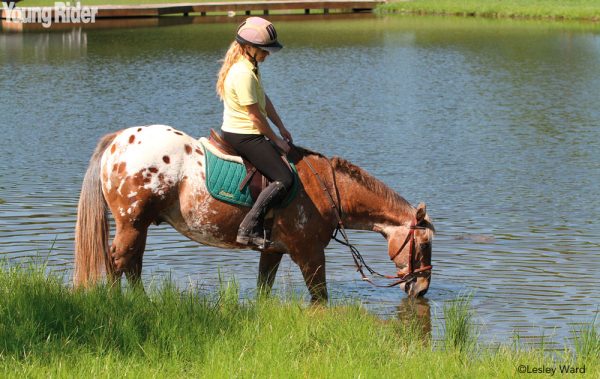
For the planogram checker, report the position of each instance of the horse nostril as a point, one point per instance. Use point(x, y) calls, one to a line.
point(422, 293)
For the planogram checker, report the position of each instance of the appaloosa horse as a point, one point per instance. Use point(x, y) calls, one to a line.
point(151, 174)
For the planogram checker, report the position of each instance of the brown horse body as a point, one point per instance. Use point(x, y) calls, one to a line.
point(155, 173)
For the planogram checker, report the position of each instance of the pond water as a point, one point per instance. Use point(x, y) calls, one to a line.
point(494, 124)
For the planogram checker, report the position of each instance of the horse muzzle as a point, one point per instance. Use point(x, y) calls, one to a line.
point(416, 287)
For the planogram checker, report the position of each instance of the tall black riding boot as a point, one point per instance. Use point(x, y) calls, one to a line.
point(248, 233)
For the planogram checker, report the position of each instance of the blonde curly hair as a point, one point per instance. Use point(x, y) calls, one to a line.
point(234, 53)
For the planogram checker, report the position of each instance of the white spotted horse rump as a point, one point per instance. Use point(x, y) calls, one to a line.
point(149, 161)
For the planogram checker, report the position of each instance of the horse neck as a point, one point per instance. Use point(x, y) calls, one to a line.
point(367, 203)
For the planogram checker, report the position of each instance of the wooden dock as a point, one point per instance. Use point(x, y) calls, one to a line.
point(147, 22)
point(233, 8)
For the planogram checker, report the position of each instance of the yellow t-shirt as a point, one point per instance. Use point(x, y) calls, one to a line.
point(242, 87)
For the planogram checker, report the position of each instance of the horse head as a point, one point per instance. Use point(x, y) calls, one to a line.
point(409, 246)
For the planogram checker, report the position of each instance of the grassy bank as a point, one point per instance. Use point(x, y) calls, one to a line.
point(47, 329)
point(546, 9)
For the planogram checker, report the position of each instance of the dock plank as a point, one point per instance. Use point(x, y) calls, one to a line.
point(156, 10)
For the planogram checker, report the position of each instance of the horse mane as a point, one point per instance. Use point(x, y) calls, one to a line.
point(363, 178)
point(370, 182)
point(304, 152)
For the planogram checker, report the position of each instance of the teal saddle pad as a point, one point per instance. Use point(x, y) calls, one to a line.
point(223, 179)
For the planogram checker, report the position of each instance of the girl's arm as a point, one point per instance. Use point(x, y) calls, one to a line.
point(273, 116)
point(263, 127)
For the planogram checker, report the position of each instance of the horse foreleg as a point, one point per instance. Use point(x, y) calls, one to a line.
point(313, 270)
point(267, 269)
point(126, 254)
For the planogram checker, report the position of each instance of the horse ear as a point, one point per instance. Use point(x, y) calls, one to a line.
point(421, 212)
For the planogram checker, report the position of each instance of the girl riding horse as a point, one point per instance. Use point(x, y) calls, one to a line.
point(245, 125)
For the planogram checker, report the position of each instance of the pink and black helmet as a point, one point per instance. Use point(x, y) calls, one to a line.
point(258, 32)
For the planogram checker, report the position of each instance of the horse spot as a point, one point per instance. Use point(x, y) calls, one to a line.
point(121, 167)
point(131, 138)
point(113, 148)
point(153, 169)
point(188, 149)
point(166, 159)
point(198, 151)
point(168, 130)
point(202, 175)
point(179, 133)
point(139, 129)
point(199, 163)
point(147, 180)
point(139, 142)
point(115, 166)
point(161, 177)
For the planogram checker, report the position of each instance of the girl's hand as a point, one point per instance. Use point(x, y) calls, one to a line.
point(285, 134)
point(282, 145)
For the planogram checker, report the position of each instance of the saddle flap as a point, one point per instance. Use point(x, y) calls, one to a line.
point(232, 179)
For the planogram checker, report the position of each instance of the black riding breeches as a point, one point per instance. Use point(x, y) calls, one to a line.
point(263, 155)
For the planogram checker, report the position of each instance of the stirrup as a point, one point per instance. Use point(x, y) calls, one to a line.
point(254, 239)
point(261, 243)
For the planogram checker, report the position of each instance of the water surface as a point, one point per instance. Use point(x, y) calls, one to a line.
point(494, 124)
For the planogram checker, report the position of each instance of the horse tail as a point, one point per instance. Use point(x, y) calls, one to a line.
point(92, 229)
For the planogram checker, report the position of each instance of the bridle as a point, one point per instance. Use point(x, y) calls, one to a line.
point(399, 278)
point(359, 261)
point(410, 238)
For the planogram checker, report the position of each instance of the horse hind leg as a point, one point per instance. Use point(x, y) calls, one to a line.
point(126, 254)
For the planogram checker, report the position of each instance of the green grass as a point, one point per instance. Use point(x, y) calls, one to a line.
point(459, 330)
point(553, 9)
point(587, 341)
point(50, 330)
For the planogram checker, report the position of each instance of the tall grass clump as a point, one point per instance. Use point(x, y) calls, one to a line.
point(459, 331)
point(587, 341)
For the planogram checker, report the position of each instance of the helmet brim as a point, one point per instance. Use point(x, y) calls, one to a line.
point(272, 47)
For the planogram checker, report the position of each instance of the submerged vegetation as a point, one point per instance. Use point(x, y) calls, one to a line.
point(547, 9)
point(49, 329)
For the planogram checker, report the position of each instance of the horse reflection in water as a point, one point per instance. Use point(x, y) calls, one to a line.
point(415, 314)
point(154, 174)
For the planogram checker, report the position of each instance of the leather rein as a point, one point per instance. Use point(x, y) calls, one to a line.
point(359, 261)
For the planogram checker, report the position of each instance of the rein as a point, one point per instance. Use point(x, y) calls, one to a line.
point(359, 261)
